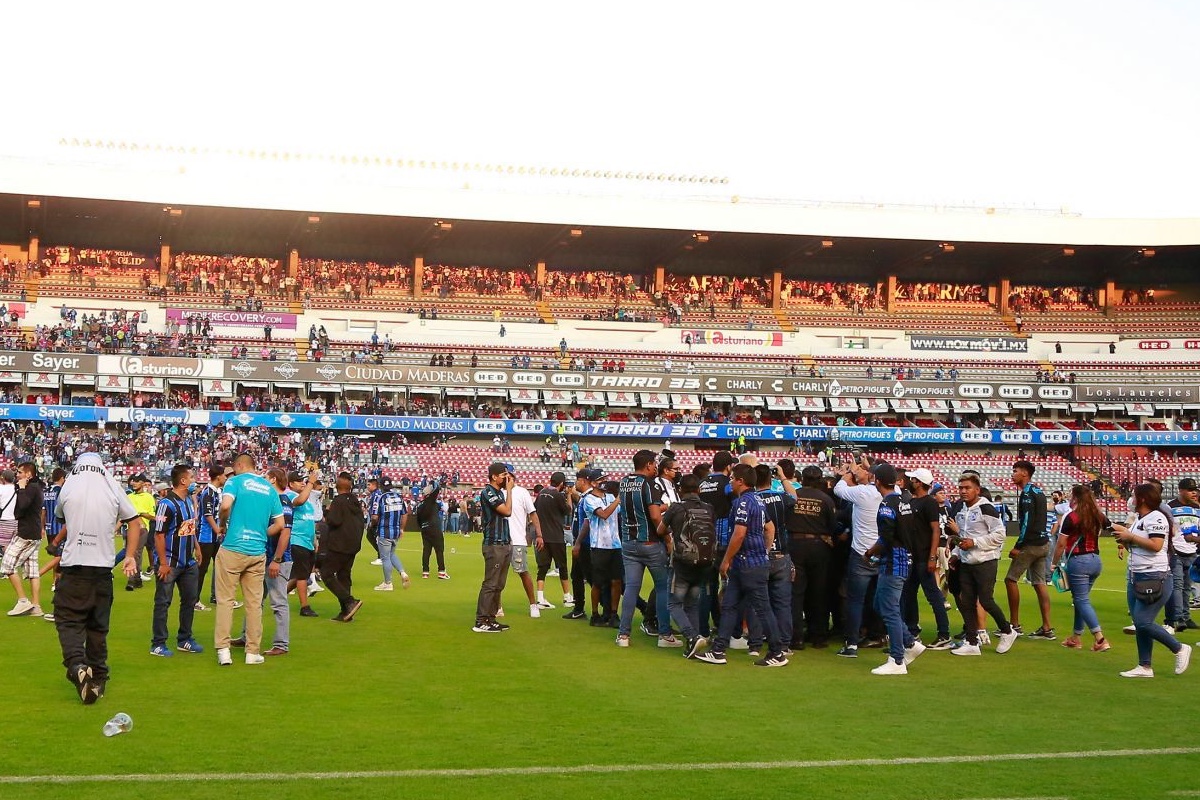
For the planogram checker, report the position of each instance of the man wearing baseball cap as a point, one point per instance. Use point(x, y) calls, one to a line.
point(928, 514)
point(1185, 512)
point(602, 514)
point(581, 560)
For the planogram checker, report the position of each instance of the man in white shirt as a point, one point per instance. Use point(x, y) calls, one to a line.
point(522, 515)
point(856, 485)
point(91, 505)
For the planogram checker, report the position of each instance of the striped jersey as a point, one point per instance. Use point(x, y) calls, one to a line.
point(175, 521)
point(636, 499)
point(49, 503)
point(495, 525)
point(392, 508)
point(210, 505)
point(748, 510)
point(288, 517)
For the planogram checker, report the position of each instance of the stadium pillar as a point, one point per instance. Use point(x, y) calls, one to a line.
point(660, 277)
point(293, 262)
point(889, 293)
point(776, 284)
point(418, 275)
point(539, 275)
point(164, 263)
point(34, 246)
point(1002, 301)
point(1109, 300)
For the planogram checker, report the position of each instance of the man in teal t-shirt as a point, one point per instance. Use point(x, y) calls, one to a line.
point(250, 512)
point(303, 497)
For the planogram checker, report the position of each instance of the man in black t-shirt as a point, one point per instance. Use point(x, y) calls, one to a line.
point(714, 490)
point(553, 513)
point(811, 524)
point(927, 512)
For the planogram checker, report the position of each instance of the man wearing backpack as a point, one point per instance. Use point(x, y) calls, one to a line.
point(692, 543)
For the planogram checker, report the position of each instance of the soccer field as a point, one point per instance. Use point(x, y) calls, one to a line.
point(407, 701)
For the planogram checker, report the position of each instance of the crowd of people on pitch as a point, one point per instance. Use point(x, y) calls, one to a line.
point(759, 557)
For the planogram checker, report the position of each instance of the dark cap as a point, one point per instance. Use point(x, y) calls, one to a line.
point(594, 475)
point(497, 469)
point(373, 480)
point(293, 477)
point(557, 478)
point(1188, 484)
point(885, 473)
point(139, 478)
point(582, 473)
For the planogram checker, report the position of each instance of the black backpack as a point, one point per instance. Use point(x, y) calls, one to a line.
point(696, 539)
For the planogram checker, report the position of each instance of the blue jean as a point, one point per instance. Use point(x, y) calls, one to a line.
point(887, 603)
point(1146, 629)
point(746, 588)
point(684, 602)
point(638, 557)
point(779, 594)
point(921, 577)
point(187, 579)
point(387, 554)
point(859, 575)
point(1181, 592)
point(1082, 571)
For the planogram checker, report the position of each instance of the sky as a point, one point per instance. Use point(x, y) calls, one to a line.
point(1089, 106)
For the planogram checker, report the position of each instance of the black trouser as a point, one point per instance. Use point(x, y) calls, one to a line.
point(581, 572)
point(977, 584)
point(335, 571)
point(434, 541)
point(810, 592)
point(207, 553)
point(551, 552)
point(189, 592)
point(82, 606)
point(373, 538)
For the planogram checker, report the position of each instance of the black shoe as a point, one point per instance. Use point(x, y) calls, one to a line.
point(352, 609)
point(648, 628)
point(614, 620)
point(598, 621)
point(501, 626)
point(573, 614)
point(799, 645)
point(306, 611)
point(238, 642)
point(338, 618)
point(819, 645)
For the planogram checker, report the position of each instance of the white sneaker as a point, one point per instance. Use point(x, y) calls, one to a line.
point(534, 611)
point(1006, 641)
point(22, 608)
point(405, 580)
point(985, 637)
point(377, 562)
point(1138, 672)
point(315, 588)
point(966, 649)
point(147, 576)
point(670, 640)
point(223, 657)
point(890, 667)
point(1182, 659)
point(201, 607)
point(739, 643)
point(912, 653)
point(1129, 629)
point(568, 599)
point(1169, 629)
point(385, 587)
point(545, 604)
point(254, 658)
point(552, 573)
point(622, 641)
point(238, 604)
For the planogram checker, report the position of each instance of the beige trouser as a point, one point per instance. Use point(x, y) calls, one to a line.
point(234, 569)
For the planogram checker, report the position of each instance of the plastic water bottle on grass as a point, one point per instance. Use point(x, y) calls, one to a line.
point(121, 723)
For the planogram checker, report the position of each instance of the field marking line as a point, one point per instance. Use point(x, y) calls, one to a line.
point(583, 769)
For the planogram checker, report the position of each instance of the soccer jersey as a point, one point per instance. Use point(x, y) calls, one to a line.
point(748, 511)
point(175, 521)
point(49, 503)
point(636, 499)
point(255, 504)
point(210, 506)
point(392, 508)
point(91, 503)
point(304, 523)
point(495, 524)
point(288, 517)
point(603, 534)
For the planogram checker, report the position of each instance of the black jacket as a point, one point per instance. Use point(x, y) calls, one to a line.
point(345, 519)
point(28, 511)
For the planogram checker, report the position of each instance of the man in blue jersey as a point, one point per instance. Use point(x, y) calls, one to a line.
point(497, 548)
point(1185, 514)
point(602, 515)
point(1029, 553)
point(250, 513)
point(209, 528)
point(175, 563)
point(305, 503)
point(714, 490)
point(388, 516)
point(778, 507)
point(52, 525)
point(642, 548)
point(746, 567)
point(581, 562)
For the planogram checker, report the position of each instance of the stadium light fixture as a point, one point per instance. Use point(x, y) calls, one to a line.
point(1068, 251)
point(827, 243)
point(946, 247)
point(701, 238)
point(1147, 252)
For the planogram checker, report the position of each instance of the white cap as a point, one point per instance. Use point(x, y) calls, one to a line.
point(923, 475)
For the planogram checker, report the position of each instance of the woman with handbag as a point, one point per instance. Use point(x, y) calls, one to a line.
point(1078, 552)
point(1149, 570)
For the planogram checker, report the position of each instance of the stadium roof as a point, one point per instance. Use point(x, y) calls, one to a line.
point(140, 226)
